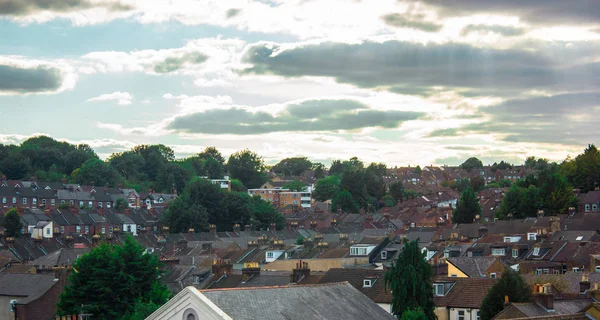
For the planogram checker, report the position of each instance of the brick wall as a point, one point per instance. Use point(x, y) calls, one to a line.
point(44, 307)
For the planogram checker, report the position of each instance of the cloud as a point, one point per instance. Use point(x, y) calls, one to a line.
point(171, 64)
point(537, 11)
point(407, 65)
point(29, 80)
point(25, 7)
point(405, 21)
point(507, 31)
point(560, 119)
point(310, 115)
point(232, 12)
point(122, 98)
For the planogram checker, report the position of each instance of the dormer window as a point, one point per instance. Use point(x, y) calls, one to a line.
point(100, 204)
point(587, 208)
point(438, 289)
point(531, 236)
point(594, 207)
point(536, 251)
point(515, 253)
point(367, 283)
point(383, 255)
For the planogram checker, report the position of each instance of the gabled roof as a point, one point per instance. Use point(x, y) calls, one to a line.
point(30, 286)
point(475, 267)
point(377, 292)
point(464, 293)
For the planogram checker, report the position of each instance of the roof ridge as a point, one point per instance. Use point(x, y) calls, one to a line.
point(280, 287)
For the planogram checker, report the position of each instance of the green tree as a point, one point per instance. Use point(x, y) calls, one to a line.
point(171, 177)
point(96, 172)
point(326, 188)
point(344, 201)
point(417, 314)
point(555, 192)
point(212, 152)
point(336, 168)
point(238, 186)
point(418, 170)
point(295, 185)
point(319, 170)
point(248, 167)
point(112, 281)
point(121, 204)
point(466, 208)
point(374, 180)
point(477, 183)
point(397, 191)
point(354, 181)
point(155, 157)
point(265, 214)
point(300, 240)
point(471, 163)
point(389, 200)
point(519, 203)
point(129, 164)
point(180, 217)
point(511, 284)
point(409, 279)
point(12, 223)
point(292, 166)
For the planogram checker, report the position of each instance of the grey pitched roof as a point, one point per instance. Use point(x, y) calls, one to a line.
point(331, 301)
point(30, 286)
point(60, 257)
point(473, 266)
point(561, 307)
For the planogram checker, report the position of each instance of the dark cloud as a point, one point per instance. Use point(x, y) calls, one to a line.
point(569, 119)
point(313, 115)
point(25, 7)
point(507, 31)
point(232, 12)
point(398, 65)
point(24, 80)
point(171, 64)
point(407, 21)
point(537, 11)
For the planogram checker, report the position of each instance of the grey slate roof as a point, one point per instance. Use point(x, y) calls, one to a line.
point(561, 307)
point(331, 301)
point(473, 266)
point(60, 257)
point(30, 286)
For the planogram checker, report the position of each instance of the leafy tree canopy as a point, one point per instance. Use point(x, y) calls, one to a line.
point(248, 167)
point(12, 223)
point(511, 284)
point(466, 208)
point(295, 185)
point(471, 163)
point(345, 202)
point(326, 188)
point(292, 166)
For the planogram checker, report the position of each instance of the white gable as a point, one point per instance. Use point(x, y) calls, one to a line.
point(189, 301)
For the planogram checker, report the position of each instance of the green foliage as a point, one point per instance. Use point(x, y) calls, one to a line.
point(389, 200)
point(264, 214)
point(397, 191)
point(519, 203)
point(466, 208)
point(96, 172)
point(12, 223)
point(353, 164)
point(212, 153)
point(460, 185)
point(121, 204)
point(292, 166)
point(471, 163)
point(374, 180)
point(319, 170)
point(300, 240)
point(129, 165)
point(237, 186)
point(501, 166)
point(536, 164)
point(112, 281)
point(171, 177)
point(181, 217)
point(344, 201)
point(354, 181)
point(155, 157)
point(418, 170)
point(64, 206)
point(555, 192)
point(409, 279)
point(337, 168)
point(326, 188)
point(477, 183)
point(511, 284)
point(248, 167)
point(417, 314)
point(295, 185)
point(583, 172)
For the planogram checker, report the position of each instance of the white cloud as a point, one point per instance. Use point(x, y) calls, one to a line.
point(122, 98)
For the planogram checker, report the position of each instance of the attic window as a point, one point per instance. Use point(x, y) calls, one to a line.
point(579, 238)
point(367, 283)
point(536, 251)
point(438, 289)
point(383, 255)
point(575, 270)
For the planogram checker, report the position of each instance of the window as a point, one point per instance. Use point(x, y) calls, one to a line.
point(103, 230)
point(575, 270)
point(532, 236)
point(461, 314)
point(52, 202)
point(367, 283)
point(190, 317)
point(515, 253)
point(587, 208)
point(507, 239)
point(358, 251)
point(108, 204)
point(538, 271)
point(536, 251)
point(48, 231)
point(89, 204)
point(196, 281)
point(81, 203)
point(34, 201)
point(438, 289)
point(72, 202)
point(110, 229)
point(14, 200)
point(383, 255)
point(24, 200)
point(498, 252)
point(597, 268)
point(453, 275)
point(579, 238)
point(555, 271)
point(270, 254)
point(493, 275)
point(546, 271)
point(78, 229)
point(100, 204)
point(62, 230)
point(3, 199)
point(87, 229)
point(594, 207)
point(44, 201)
point(12, 305)
point(477, 316)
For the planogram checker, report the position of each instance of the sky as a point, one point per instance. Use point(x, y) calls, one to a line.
point(404, 82)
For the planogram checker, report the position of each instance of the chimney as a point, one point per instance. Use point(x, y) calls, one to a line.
point(313, 224)
point(540, 213)
point(250, 270)
point(272, 227)
point(584, 285)
point(120, 186)
point(554, 224)
point(149, 190)
point(222, 267)
point(212, 228)
point(482, 231)
point(300, 272)
point(247, 228)
point(236, 228)
point(4, 177)
point(47, 212)
point(95, 240)
point(544, 298)
point(506, 301)
point(127, 211)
